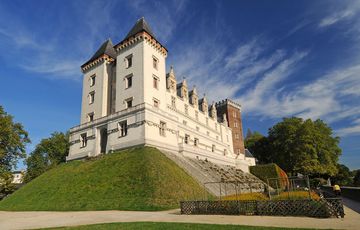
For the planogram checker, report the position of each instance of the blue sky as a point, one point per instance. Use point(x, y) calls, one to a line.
point(276, 58)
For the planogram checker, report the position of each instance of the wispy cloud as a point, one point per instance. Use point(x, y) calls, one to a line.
point(53, 55)
point(336, 17)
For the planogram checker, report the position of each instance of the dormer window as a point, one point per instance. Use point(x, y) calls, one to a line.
point(128, 61)
point(92, 80)
point(155, 62)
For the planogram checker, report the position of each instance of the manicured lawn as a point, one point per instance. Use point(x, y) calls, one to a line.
point(172, 226)
point(134, 179)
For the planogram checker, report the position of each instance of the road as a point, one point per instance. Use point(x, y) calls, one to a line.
point(33, 220)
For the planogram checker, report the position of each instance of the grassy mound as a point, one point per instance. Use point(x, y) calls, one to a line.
point(134, 179)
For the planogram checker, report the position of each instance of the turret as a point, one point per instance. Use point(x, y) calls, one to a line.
point(213, 112)
point(171, 80)
point(194, 100)
point(204, 105)
point(182, 89)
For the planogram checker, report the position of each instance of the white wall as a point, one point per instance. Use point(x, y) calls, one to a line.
point(100, 105)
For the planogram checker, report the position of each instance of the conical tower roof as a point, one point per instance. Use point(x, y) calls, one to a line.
point(140, 26)
point(106, 48)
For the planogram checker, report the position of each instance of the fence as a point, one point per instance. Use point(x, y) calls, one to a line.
point(324, 208)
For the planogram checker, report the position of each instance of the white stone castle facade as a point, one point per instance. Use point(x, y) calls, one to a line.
point(129, 100)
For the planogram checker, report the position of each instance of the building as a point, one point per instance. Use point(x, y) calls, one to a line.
point(18, 177)
point(129, 100)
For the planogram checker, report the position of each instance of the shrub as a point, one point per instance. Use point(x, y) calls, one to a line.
point(246, 196)
point(271, 171)
point(296, 195)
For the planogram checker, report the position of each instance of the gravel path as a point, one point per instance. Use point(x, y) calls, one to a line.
point(31, 220)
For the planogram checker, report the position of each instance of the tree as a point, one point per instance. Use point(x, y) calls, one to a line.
point(344, 176)
point(47, 154)
point(258, 145)
point(306, 147)
point(299, 146)
point(356, 181)
point(13, 139)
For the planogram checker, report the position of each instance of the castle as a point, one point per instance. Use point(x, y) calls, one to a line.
point(129, 100)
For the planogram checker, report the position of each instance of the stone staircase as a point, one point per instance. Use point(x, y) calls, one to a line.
point(234, 181)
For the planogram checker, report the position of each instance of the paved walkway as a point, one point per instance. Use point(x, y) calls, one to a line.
point(353, 204)
point(31, 220)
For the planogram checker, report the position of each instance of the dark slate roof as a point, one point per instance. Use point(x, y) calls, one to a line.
point(248, 153)
point(140, 26)
point(106, 48)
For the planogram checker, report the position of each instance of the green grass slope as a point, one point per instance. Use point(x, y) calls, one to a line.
point(134, 179)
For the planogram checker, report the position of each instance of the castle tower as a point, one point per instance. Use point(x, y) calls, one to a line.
point(141, 65)
point(232, 112)
point(98, 75)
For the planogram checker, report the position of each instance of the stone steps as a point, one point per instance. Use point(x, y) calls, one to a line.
point(206, 171)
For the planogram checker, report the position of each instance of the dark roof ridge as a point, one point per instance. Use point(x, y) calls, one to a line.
point(106, 48)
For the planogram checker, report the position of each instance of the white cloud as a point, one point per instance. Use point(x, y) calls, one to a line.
point(349, 131)
point(336, 17)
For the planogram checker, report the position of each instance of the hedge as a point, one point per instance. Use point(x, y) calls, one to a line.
point(272, 171)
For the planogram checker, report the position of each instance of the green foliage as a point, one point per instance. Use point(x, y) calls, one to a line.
point(47, 154)
point(133, 179)
point(343, 177)
point(300, 146)
point(356, 181)
point(6, 185)
point(269, 171)
point(13, 139)
point(251, 140)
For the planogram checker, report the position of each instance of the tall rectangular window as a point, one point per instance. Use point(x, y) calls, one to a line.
point(91, 97)
point(129, 103)
point(123, 128)
point(162, 128)
point(90, 117)
point(186, 140)
point(155, 62)
point(186, 109)
point(213, 148)
point(128, 81)
point(196, 141)
point(156, 103)
point(236, 136)
point(197, 115)
point(83, 138)
point(128, 61)
point(235, 124)
point(92, 80)
point(234, 113)
point(155, 82)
